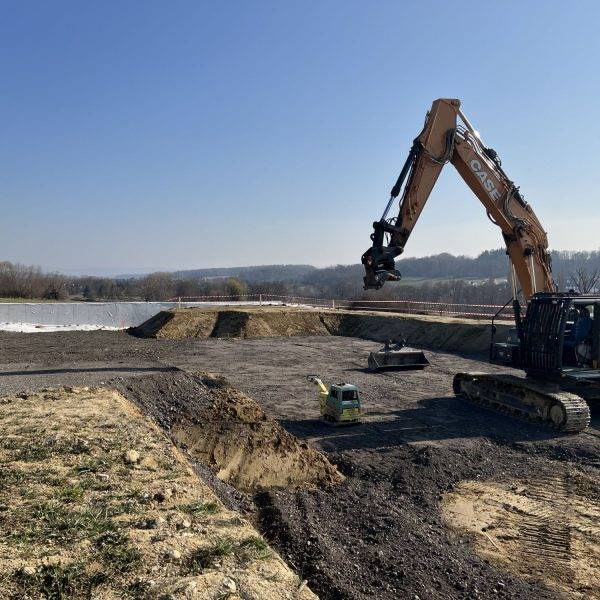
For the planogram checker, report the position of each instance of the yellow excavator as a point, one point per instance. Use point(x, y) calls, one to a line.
point(557, 341)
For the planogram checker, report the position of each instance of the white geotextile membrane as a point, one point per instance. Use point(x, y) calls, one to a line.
point(30, 328)
point(31, 317)
point(107, 314)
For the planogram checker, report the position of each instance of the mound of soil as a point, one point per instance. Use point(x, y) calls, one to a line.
point(227, 323)
point(179, 323)
point(269, 323)
point(462, 335)
point(228, 431)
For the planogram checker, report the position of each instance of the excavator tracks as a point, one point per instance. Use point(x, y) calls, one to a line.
point(534, 401)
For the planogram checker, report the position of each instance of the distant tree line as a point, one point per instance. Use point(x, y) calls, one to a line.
point(25, 281)
point(439, 278)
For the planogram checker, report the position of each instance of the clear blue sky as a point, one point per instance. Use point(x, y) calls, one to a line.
point(159, 135)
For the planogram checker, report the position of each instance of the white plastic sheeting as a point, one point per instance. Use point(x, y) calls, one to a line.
point(30, 328)
point(112, 315)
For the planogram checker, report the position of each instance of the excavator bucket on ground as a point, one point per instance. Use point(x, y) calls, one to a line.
point(396, 357)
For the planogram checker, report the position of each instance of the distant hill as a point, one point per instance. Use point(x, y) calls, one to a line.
point(490, 264)
point(258, 274)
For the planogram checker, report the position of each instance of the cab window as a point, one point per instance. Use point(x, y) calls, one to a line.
point(350, 395)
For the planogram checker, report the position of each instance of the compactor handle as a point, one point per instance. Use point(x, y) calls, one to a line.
point(317, 381)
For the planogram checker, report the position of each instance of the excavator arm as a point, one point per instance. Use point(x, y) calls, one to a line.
point(443, 140)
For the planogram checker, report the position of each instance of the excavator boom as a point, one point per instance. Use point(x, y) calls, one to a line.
point(443, 140)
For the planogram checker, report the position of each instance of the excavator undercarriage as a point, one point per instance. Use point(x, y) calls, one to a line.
point(525, 398)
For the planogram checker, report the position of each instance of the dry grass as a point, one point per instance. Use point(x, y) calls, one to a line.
point(79, 519)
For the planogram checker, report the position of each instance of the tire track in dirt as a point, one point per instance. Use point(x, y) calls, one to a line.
point(545, 528)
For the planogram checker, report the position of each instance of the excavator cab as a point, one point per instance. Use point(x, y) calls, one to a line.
point(560, 334)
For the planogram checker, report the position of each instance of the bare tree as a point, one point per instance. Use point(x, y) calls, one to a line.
point(583, 281)
point(157, 286)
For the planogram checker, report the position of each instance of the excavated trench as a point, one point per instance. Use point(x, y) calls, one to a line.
point(228, 432)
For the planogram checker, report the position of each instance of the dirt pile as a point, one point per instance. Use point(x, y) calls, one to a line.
point(179, 323)
point(462, 335)
point(227, 323)
point(545, 528)
point(96, 502)
point(230, 432)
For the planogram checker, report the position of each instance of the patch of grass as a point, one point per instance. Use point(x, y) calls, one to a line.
point(255, 547)
point(200, 507)
point(53, 480)
point(90, 465)
point(126, 507)
point(138, 590)
point(56, 582)
point(139, 496)
point(166, 465)
point(204, 558)
point(171, 476)
point(54, 521)
point(29, 450)
point(11, 476)
point(71, 493)
point(28, 493)
point(117, 552)
point(251, 548)
point(28, 429)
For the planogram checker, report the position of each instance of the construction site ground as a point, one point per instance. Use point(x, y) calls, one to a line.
point(441, 499)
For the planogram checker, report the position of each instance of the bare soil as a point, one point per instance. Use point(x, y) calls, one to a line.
point(549, 526)
point(382, 532)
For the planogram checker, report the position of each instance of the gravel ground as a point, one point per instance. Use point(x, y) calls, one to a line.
point(380, 534)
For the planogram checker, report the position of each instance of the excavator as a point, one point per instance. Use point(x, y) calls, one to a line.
point(557, 341)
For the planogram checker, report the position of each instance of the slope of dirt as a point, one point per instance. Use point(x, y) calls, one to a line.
point(467, 336)
point(461, 335)
point(228, 431)
point(95, 502)
point(269, 322)
point(227, 323)
point(547, 528)
point(179, 323)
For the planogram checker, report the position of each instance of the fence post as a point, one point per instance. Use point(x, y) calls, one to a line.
point(333, 304)
point(179, 302)
point(260, 299)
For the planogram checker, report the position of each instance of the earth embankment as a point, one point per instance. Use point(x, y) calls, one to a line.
point(467, 336)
